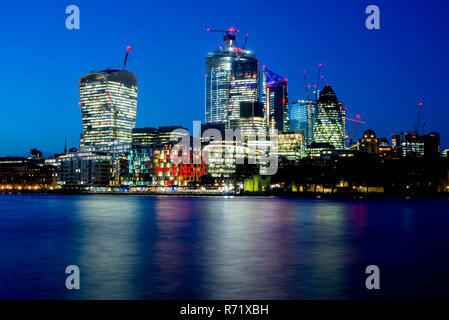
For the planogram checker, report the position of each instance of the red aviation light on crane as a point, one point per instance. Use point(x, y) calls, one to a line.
point(320, 65)
point(128, 48)
point(357, 116)
point(285, 80)
point(420, 104)
point(208, 29)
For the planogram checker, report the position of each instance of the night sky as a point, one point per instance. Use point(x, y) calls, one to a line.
point(379, 74)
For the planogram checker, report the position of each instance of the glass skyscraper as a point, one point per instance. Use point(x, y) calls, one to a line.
point(302, 114)
point(245, 86)
point(275, 99)
point(108, 101)
point(232, 76)
point(328, 126)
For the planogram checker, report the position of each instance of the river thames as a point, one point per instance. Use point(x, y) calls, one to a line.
point(173, 247)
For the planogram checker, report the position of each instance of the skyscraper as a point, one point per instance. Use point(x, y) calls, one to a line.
point(302, 115)
point(251, 117)
point(232, 76)
point(245, 85)
point(108, 101)
point(328, 124)
point(275, 99)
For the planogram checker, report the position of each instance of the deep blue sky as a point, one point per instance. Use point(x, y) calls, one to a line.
point(381, 75)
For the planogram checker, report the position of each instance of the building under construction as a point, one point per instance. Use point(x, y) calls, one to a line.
point(232, 77)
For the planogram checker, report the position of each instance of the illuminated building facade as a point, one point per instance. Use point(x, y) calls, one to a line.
point(328, 125)
point(84, 169)
point(108, 101)
point(245, 86)
point(144, 136)
point(169, 174)
point(369, 143)
point(275, 99)
point(251, 118)
point(291, 145)
point(384, 146)
point(17, 173)
point(302, 114)
point(159, 136)
point(132, 168)
point(408, 144)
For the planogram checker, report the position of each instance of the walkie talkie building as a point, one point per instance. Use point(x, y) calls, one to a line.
point(108, 101)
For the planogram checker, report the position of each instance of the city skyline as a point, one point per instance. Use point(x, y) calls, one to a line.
point(42, 118)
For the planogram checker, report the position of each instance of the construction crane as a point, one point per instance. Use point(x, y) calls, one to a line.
point(356, 122)
point(418, 122)
point(114, 106)
point(307, 85)
point(317, 86)
point(246, 41)
point(230, 36)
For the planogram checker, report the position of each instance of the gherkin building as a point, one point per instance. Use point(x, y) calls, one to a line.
point(328, 125)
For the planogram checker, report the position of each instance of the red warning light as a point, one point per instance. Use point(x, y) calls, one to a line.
point(263, 66)
point(357, 116)
point(420, 104)
point(303, 71)
point(320, 65)
point(128, 48)
point(208, 29)
point(80, 103)
point(286, 80)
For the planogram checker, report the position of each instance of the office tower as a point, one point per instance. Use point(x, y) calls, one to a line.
point(275, 99)
point(250, 118)
point(144, 136)
point(432, 145)
point(302, 114)
point(328, 125)
point(291, 145)
point(245, 86)
point(159, 136)
point(232, 76)
point(108, 101)
point(408, 144)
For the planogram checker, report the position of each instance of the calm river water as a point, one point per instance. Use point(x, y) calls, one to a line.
point(168, 247)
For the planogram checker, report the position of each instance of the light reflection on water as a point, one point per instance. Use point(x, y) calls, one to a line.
point(134, 247)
